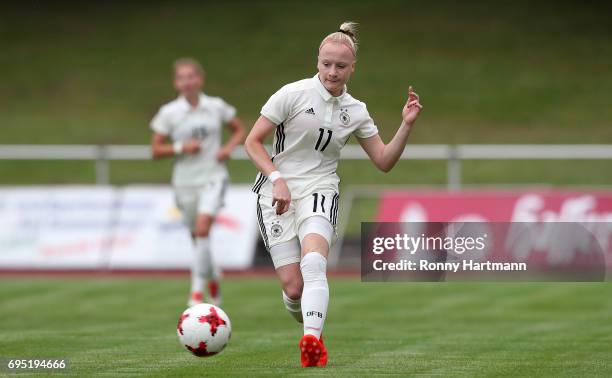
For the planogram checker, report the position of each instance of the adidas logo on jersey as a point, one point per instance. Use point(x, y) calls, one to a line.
point(310, 111)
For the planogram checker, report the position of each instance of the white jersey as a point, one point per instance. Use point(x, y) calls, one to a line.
point(312, 127)
point(180, 121)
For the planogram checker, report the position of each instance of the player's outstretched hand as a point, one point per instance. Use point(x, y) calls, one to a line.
point(412, 108)
point(191, 146)
point(281, 197)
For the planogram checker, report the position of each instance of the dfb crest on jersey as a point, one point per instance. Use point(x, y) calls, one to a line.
point(276, 229)
point(344, 117)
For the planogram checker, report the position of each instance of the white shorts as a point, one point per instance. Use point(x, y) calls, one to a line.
point(280, 229)
point(203, 199)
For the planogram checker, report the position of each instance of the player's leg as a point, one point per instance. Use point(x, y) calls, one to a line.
point(286, 257)
point(315, 295)
point(187, 201)
point(280, 239)
point(210, 200)
point(206, 273)
point(316, 232)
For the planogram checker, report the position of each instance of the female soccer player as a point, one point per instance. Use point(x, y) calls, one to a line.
point(297, 188)
point(190, 129)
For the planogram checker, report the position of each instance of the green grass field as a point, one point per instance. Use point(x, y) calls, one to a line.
point(107, 326)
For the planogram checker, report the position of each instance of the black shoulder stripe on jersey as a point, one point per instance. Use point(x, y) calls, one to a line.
point(262, 226)
point(277, 138)
point(283, 134)
point(280, 138)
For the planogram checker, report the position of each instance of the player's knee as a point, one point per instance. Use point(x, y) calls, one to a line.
point(314, 243)
point(316, 234)
point(313, 267)
point(202, 226)
point(201, 232)
point(294, 292)
point(293, 288)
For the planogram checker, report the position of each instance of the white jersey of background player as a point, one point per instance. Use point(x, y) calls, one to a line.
point(190, 128)
point(298, 187)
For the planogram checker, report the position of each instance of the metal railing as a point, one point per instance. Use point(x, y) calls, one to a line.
point(453, 154)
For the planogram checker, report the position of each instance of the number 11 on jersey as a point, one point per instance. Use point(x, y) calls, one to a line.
point(321, 134)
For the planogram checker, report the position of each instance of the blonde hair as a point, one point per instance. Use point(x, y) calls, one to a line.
point(347, 34)
point(188, 62)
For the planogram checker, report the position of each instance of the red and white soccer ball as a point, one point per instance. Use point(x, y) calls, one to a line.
point(204, 329)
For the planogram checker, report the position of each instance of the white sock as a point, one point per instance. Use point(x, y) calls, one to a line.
point(201, 268)
point(294, 306)
point(316, 293)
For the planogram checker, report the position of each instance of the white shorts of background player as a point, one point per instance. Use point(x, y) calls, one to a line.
point(202, 199)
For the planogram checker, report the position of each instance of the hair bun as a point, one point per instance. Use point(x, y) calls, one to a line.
point(349, 28)
point(346, 34)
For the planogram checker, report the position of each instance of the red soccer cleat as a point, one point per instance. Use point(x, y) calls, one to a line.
point(311, 350)
point(195, 298)
point(214, 294)
point(323, 359)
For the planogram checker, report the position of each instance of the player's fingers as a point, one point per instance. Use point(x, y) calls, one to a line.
point(412, 103)
point(279, 208)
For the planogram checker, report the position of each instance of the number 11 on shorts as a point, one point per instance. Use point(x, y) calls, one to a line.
point(316, 201)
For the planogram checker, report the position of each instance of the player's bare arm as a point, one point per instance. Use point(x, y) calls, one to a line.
point(385, 156)
point(254, 145)
point(238, 134)
point(161, 146)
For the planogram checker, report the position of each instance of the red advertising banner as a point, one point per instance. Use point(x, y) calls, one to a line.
point(495, 206)
point(534, 220)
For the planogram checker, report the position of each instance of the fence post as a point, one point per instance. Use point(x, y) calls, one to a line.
point(102, 166)
point(453, 169)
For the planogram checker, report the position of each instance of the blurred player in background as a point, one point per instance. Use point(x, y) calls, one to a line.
point(190, 129)
point(297, 188)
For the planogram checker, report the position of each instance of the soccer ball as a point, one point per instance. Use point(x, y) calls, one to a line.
point(204, 329)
